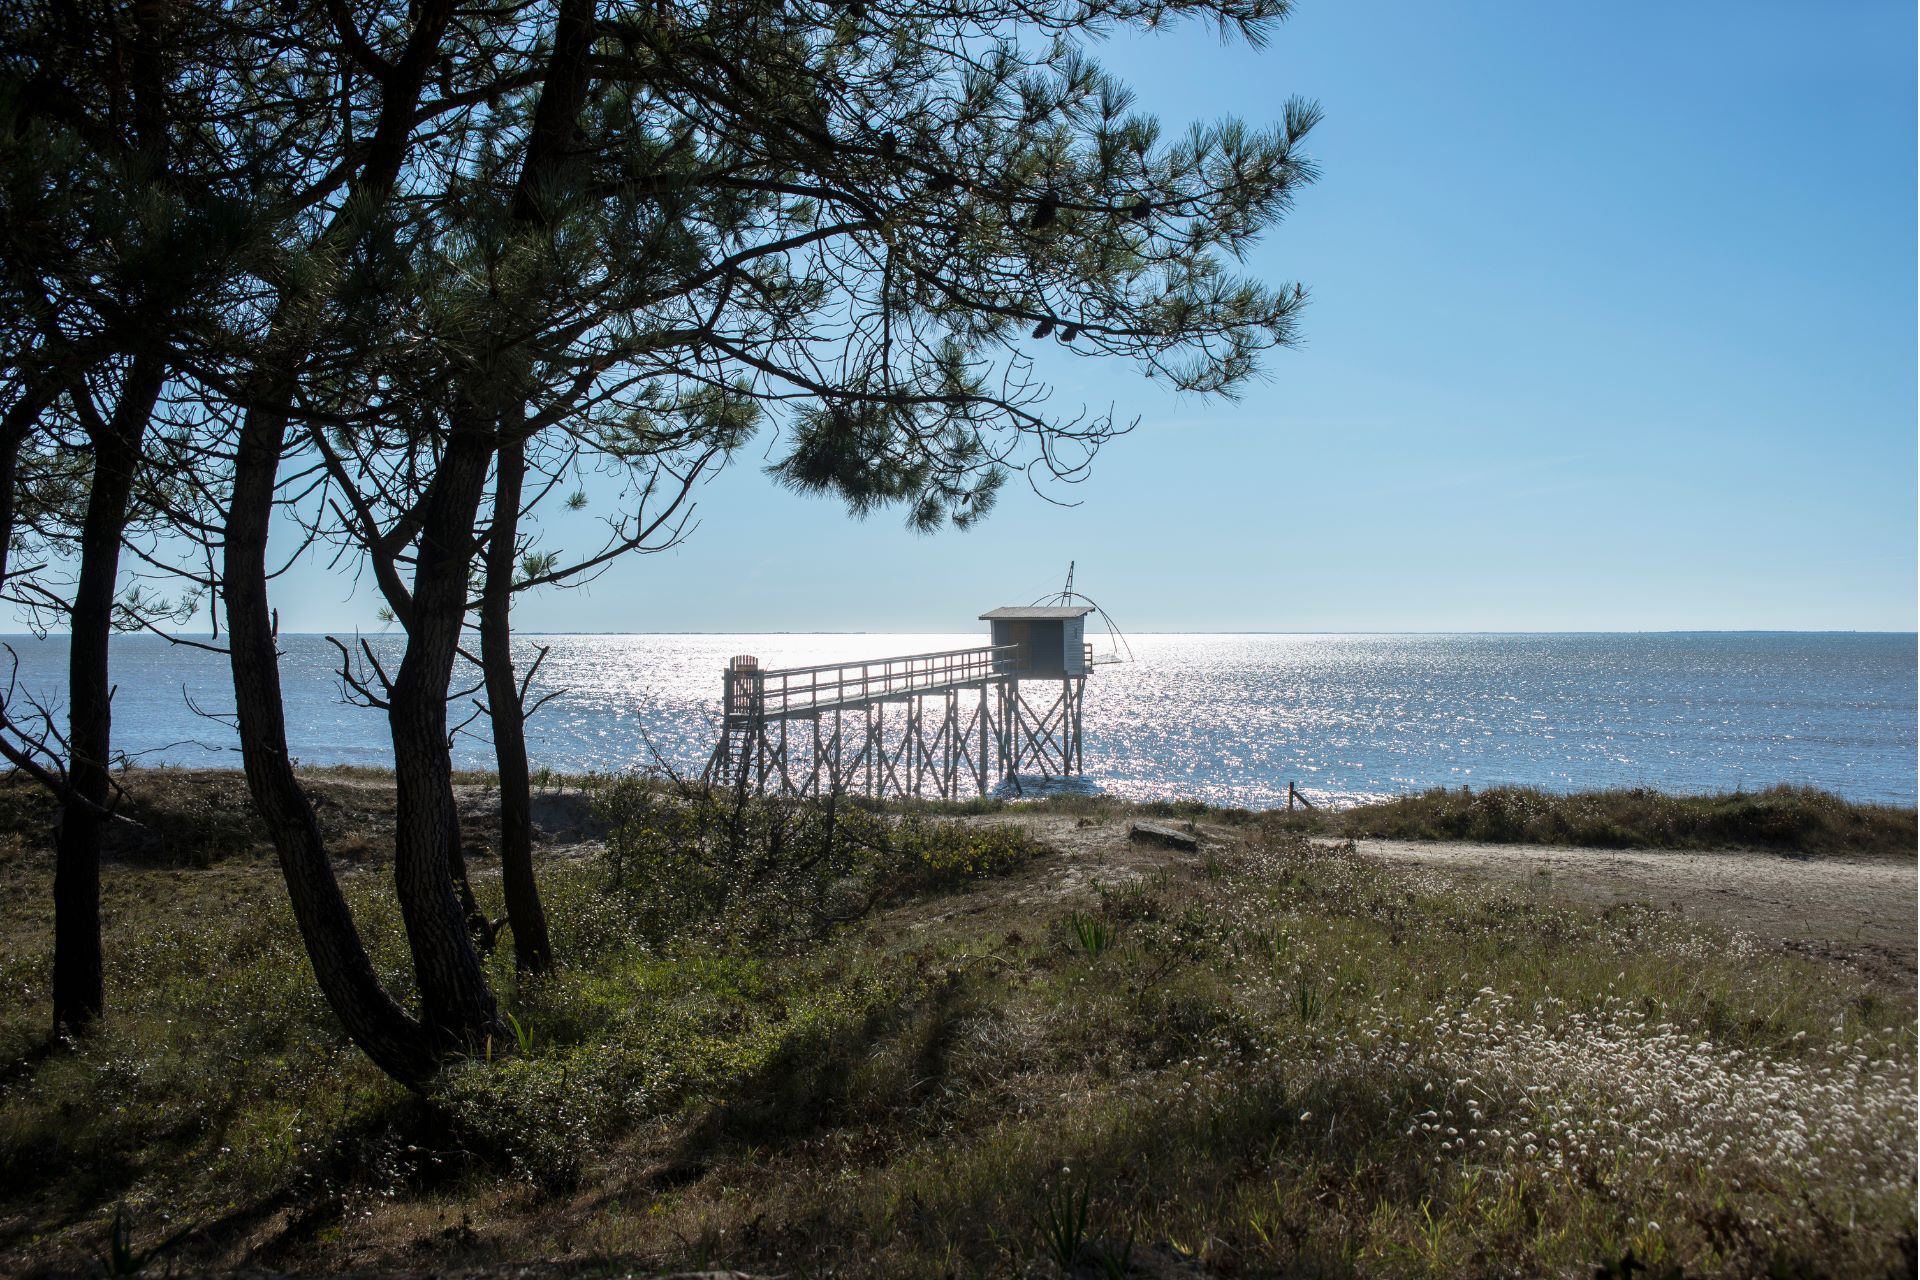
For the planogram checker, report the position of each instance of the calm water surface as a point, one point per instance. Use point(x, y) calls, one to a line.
point(1225, 718)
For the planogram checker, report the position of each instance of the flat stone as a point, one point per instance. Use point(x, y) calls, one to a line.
point(1158, 833)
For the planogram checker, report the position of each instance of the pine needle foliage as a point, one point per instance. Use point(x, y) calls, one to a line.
point(864, 228)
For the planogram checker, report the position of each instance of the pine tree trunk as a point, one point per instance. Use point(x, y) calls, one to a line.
point(22, 416)
point(396, 1043)
point(477, 923)
point(561, 97)
point(532, 949)
point(78, 990)
point(456, 1003)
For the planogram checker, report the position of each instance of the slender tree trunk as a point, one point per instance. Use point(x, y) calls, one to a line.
point(10, 446)
point(456, 1003)
point(78, 991)
point(396, 1043)
point(563, 92)
point(18, 424)
point(532, 950)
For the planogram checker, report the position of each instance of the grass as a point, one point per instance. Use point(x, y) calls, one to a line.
point(1093, 934)
point(1289, 1060)
point(201, 817)
point(1788, 819)
point(1795, 820)
point(197, 817)
point(193, 817)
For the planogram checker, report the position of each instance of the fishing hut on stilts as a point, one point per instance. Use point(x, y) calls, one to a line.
point(933, 725)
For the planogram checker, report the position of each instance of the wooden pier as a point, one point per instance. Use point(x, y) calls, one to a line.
point(933, 725)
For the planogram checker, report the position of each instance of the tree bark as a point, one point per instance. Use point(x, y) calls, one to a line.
point(532, 949)
point(396, 1043)
point(456, 1004)
point(478, 925)
point(376, 1023)
point(563, 93)
point(21, 418)
point(78, 989)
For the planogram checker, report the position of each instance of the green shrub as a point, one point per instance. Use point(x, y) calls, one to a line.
point(693, 859)
point(689, 858)
point(917, 854)
point(1788, 819)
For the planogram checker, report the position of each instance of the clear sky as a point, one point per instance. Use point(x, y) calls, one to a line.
point(1613, 329)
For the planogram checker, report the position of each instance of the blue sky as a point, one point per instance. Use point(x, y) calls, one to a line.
point(1613, 329)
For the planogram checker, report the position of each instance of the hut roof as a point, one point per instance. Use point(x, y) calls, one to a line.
point(1035, 612)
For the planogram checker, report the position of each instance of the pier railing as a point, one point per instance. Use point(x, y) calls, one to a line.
point(806, 690)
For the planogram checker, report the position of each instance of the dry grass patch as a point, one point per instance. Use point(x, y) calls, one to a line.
point(1275, 1059)
point(1785, 819)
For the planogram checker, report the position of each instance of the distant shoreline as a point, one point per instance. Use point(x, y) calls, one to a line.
point(534, 635)
point(1791, 820)
point(1450, 795)
point(1230, 718)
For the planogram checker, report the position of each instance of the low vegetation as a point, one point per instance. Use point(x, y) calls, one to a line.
point(803, 1042)
point(1793, 820)
point(1787, 819)
point(197, 817)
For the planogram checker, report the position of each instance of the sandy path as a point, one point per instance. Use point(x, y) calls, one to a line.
point(1861, 909)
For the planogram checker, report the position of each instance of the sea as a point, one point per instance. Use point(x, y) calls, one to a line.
point(1231, 719)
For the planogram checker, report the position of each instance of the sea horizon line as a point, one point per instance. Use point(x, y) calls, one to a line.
point(197, 638)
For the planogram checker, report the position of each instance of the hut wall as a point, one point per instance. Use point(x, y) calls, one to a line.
point(1045, 648)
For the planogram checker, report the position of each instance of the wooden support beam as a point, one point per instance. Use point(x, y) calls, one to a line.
point(980, 760)
point(932, 745)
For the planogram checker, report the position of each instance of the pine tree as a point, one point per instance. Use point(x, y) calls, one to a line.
point(849, 223)
point(120, 218)
point(573, 235)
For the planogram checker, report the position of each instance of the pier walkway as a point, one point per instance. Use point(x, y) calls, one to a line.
point(920, 724)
